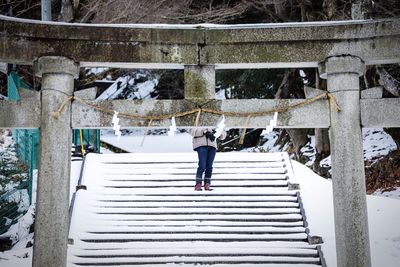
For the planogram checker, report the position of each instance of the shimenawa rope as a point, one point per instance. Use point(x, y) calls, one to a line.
point(330, 97)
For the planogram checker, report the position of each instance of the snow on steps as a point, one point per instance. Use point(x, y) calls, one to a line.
point(141, 209)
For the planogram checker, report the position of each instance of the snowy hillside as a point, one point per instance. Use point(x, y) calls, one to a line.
point(135, 85)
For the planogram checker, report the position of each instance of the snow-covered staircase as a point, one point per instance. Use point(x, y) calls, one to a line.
point(141, 209)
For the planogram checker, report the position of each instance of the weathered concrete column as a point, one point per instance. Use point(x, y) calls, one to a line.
point(52, 221)
point(199, 82)
point(348, 176)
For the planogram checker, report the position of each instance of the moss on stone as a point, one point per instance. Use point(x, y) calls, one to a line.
point(195, 86)
point(284, 117)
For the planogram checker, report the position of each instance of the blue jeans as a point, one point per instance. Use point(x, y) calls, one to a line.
point(206, 156)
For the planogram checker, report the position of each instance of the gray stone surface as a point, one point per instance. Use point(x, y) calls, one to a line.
point(55, 65)
point(199, 82)
point(372, 93)
point(23, 40)
point(314, 115)
point(293, 186)
point(312, 92)
point(27, 93)
point(300, 44)
point(342, 65)
point(3, 67)
point(315, 240)
point(88, 93)
point(380, 112)
point(348, 177)
point(52, 220)
point(24, 113)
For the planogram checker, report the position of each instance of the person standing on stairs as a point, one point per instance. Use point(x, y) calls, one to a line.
point(205, 144)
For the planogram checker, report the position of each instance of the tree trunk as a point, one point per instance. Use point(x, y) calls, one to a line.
point(67, 11)
point(289, 89)
point(329, 7)
point(76, 4)
point(322, 142)
point(280, 10)
point(370, 77)
point(303, 10)
point(291, 86)
point(361, 10)
point(395, 134)
point(322, 149)
point(299, 139)
point(9, 8)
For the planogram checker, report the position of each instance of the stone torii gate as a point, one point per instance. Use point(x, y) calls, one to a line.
point(341, 50)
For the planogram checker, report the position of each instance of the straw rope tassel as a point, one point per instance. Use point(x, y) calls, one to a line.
point(60, 109)
point(81, 139)
point(241, 140)
point(333, 102)
point(331, 99)
point(146, 132)
point(196, 122)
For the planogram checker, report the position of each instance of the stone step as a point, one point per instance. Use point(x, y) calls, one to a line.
point(196, 264)
point(233, 193)
point(196, 229)
point(144, 211)
point(216, 198)
point(190, 177)
point(195, 211)
point(205, 246)
point(195, 204)
point(187, 157)
point(203, 217)
point(188, 236)
point(198, 250)
point(200, 259)
point(216, 223)
point(167, 183)
point(193, 165)
point(174, 171)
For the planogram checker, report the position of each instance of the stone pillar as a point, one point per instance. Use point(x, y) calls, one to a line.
point(348, 176)
point(52, 220)
point(199, 82)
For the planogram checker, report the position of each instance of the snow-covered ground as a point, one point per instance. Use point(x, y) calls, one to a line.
point(180, 142)
point(383, 219)
point(376, 143)
point(316, 192)
point(389, 194)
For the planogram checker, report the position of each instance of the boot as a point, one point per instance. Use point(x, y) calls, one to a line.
point(207, 187)
point(207, 184)
point(197, 187)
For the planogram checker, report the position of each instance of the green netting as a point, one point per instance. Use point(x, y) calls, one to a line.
point(26, 140)
point(91, 139)
point(14, 82)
